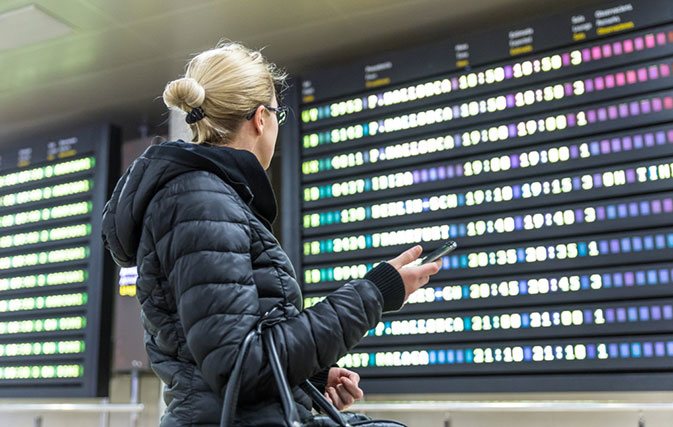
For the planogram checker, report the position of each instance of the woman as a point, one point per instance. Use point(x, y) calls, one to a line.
point(196, 217)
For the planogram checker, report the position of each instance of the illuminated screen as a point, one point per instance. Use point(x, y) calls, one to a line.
point(546, 151)
point(54, 308)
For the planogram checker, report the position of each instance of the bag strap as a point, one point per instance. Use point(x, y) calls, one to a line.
point(234, 384)
point(324, 404)
point(289, 405)
point(290, 412)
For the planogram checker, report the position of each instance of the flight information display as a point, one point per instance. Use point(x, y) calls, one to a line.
point(55, 299)
point(545, 150)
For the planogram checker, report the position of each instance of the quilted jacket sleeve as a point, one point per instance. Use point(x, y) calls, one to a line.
point(203, 240)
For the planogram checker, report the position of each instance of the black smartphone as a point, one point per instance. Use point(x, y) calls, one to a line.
point(446, 248)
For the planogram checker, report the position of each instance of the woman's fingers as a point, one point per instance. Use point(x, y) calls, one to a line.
point(414, 277)
point(344, 394)
point(346, 398)
point(428, 269)
point(410, 255)
point(334, 396)
point(352, 376)
point(352, 388)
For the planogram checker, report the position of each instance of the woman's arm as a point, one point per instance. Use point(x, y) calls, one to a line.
point(203, 242)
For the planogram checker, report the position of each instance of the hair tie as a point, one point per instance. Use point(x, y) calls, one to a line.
point(195, 115)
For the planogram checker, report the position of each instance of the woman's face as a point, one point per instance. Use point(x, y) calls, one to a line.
point(267, 142)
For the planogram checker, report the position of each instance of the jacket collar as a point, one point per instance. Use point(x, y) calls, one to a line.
point(240, 169)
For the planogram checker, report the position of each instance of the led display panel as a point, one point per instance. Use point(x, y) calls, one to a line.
point(545, 149)
point(55, 299)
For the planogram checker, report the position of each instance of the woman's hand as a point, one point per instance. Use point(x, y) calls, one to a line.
point(414, 277)
point(342, 388)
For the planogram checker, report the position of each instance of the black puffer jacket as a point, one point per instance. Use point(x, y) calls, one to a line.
point(195, 219)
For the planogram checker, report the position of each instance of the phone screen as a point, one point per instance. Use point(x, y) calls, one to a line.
point(446, 248)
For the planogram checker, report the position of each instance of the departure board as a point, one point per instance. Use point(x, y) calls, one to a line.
point(545, 150)
point(56, 282)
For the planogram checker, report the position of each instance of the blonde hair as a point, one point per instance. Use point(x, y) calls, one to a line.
point(228, 83)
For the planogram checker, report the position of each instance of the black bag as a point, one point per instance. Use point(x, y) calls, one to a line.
point(333, 417)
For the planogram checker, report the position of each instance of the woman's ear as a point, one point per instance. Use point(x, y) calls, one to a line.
point(258, 120)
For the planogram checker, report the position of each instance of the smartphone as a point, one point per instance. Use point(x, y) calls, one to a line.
point(446, 248)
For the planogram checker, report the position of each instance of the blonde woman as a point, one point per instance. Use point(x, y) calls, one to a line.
point(195, 217)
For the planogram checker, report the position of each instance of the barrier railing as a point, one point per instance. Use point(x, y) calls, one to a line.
point(467, 406)
point(104, 408)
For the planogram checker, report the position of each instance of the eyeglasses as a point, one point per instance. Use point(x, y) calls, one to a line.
point(281, 113)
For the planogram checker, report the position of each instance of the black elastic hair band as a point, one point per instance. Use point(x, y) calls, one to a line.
point(195, 115)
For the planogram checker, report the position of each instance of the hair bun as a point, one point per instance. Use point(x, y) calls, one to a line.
point(185, 93)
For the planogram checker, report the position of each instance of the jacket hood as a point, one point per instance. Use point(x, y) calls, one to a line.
point(123, 214)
